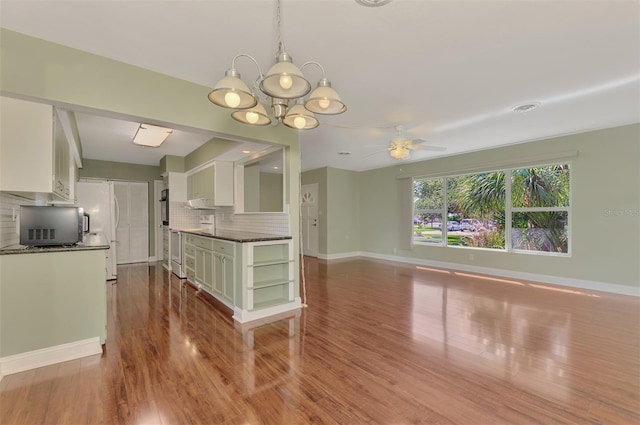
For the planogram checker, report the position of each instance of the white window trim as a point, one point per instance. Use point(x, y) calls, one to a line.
point(509, 210)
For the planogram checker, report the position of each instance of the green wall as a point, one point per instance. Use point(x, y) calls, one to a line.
point(343, 212)
point(173, 163)
point(270, 192)
point(605, 217)
point(131, 172)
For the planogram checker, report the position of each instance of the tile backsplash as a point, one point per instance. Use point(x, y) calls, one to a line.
point(225, 219)
point(10, 209)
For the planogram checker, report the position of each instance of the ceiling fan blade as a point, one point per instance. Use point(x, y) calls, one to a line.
point(427, 148)
point(376, 152)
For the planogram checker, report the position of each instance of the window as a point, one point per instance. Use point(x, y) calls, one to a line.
point(540, 209)
point(520, 210)
point(428, 206)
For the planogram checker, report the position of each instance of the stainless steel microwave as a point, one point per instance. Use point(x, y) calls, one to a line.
point(50, 225)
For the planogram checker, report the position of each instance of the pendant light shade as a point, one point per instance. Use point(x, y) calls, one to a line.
point(232, 93)
point(285, 80)
point(300, 118)
point(325, 100)
point(253, 116)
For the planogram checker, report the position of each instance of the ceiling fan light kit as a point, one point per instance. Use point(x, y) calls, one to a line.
point(283, 83)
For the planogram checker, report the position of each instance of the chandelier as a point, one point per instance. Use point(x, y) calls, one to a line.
point(285, 85)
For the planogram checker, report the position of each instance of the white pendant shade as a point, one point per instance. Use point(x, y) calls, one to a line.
point(325, 100)
point(300, 118)
point(253, 116)
point(285, 80)
point(232, 93)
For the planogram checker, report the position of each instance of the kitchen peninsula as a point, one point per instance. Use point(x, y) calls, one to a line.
point(53, 304)
point(251, 273)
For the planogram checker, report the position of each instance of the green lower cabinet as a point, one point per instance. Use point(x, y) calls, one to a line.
point(228, 277)
point(205, 268)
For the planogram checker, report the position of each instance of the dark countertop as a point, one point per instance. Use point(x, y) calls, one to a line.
point(235, 235)
point(92, 241)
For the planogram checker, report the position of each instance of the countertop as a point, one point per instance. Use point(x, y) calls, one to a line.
point(92, 241)
point(235, 235)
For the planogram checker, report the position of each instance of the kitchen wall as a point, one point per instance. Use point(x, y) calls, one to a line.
point(108, 170)
point(10, 209)
point(605, 217)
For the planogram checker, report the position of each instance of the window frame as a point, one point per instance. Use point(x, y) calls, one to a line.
point(508, 211)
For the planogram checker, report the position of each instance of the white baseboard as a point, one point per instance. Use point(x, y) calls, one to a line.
point(339, 256)
point(244, 316)
point(535, 277)
point(50, 355)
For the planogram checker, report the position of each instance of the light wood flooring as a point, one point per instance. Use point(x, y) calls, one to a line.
point(379, 343)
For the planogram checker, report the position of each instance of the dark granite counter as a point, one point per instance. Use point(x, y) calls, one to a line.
point(235, 235)
point(92, 241)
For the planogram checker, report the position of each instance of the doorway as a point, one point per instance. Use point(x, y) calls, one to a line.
point(309, 219)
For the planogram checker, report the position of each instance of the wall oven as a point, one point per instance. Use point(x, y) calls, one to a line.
point(176, 254)
point(164, 206)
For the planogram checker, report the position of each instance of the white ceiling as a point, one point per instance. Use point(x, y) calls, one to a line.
point(450, 71)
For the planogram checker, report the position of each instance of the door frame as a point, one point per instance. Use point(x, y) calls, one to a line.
point(158, 185)
point(314, 250)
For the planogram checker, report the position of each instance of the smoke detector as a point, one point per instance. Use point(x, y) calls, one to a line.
point(373, 3)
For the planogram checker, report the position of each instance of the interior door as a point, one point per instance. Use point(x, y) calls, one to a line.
point(309, 211)
point(132, 232)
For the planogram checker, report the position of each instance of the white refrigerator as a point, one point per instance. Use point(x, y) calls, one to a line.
point(97, 198)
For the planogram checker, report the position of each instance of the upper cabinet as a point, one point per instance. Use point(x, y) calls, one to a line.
point(34, 152)
point(213, 184)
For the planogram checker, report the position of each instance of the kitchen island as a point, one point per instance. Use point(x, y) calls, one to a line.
point(53, 305)
point(251, 273)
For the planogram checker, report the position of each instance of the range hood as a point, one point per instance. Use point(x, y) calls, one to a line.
point(198, 204)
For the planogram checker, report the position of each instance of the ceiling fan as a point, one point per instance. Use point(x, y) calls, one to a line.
point(400, 146)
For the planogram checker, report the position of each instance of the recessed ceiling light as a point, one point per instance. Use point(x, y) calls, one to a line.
point(527, 107)
point(246, 151)
point(373, 3)
point(344, 153)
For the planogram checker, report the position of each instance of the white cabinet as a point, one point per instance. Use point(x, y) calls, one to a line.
point(34, 151)
point(214, 184)
point(177, 185)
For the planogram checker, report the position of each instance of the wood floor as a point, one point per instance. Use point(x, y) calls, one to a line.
point(379, 343)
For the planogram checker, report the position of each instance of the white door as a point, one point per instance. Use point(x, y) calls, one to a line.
point(157, 192)
point(132, 232)
point(309, 210)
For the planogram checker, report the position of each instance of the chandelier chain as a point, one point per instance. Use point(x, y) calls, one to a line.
point(278, 35)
